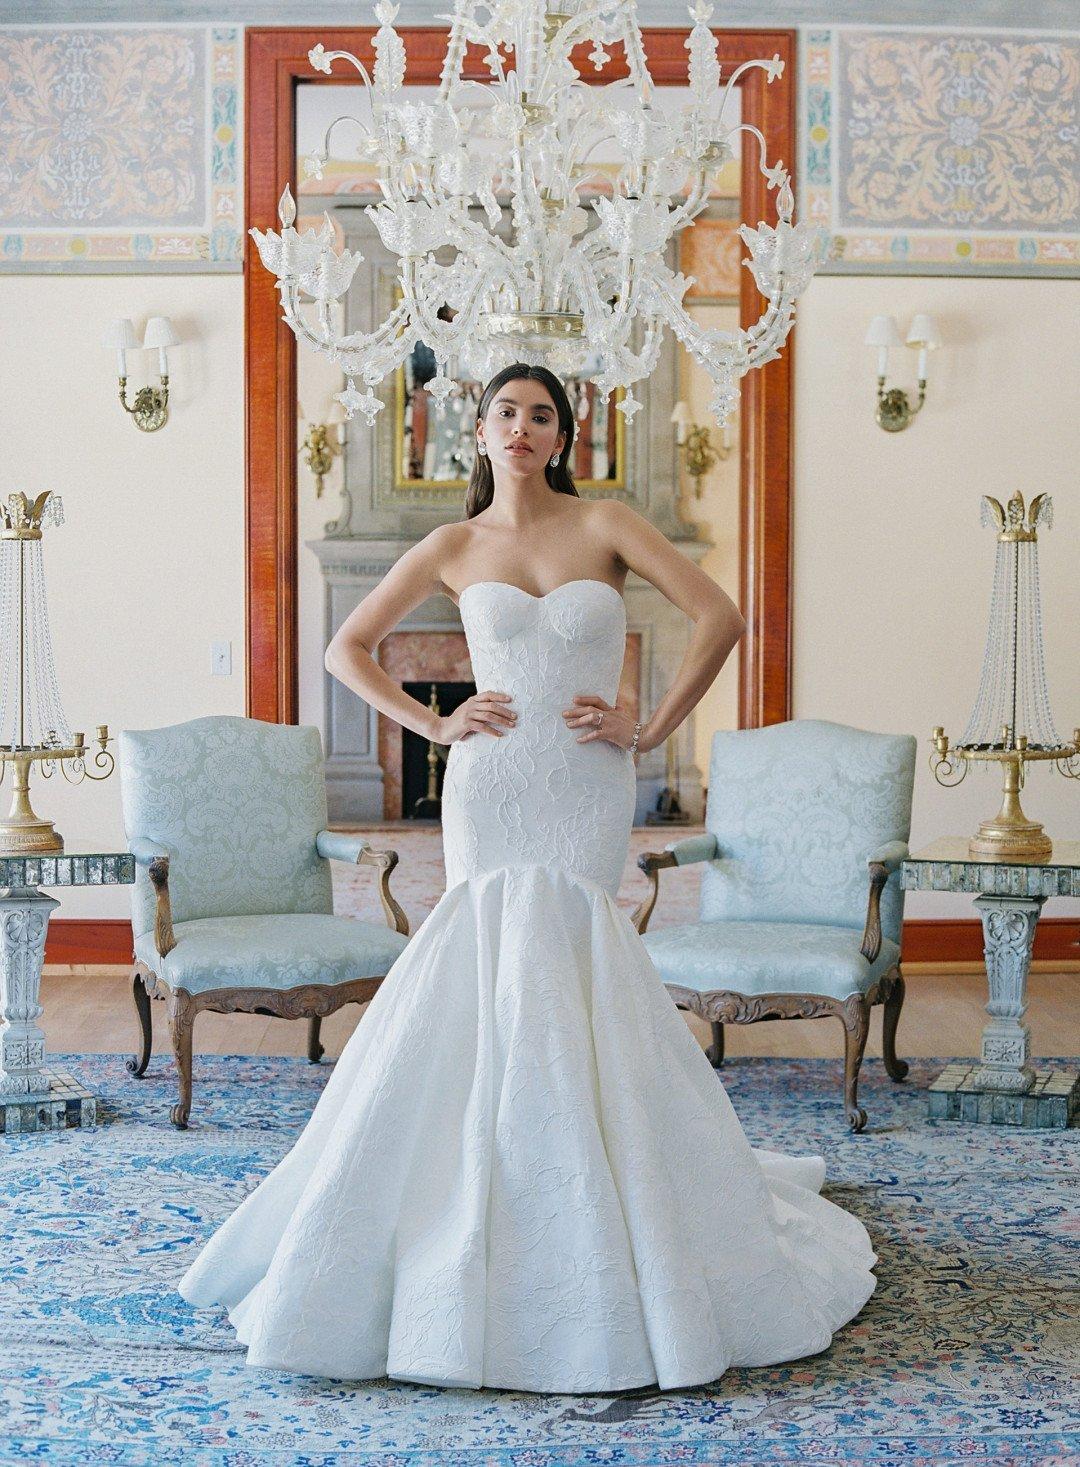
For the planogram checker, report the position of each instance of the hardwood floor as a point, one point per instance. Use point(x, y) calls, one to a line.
point(90, 1010)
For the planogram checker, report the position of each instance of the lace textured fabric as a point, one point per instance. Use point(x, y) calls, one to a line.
point(523, 1171)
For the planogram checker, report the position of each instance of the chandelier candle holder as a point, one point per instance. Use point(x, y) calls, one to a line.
point(581, 284)
point(1011, 723)
point(33, 726)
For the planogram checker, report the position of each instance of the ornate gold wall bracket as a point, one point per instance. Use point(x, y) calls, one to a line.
point(150, 410)
point(894, 410)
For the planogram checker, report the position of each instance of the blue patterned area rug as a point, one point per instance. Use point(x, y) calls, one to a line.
point(967, 1352)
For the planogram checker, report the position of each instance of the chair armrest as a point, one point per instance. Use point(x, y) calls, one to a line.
point(675, 853)
point(889, 855)
point(694, 848)
point(882, 863)
point(336, 845)
point(156, 860)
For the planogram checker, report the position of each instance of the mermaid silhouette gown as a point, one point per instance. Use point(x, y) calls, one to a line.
point(523, 1171)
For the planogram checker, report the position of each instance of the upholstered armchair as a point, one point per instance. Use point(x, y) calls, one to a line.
point(232, 906)
point(806, 826)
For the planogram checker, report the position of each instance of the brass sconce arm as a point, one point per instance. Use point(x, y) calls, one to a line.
point(150, 409)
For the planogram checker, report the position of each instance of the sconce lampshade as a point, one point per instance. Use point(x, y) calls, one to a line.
point(883, 331)
point(683, 419)
point(160, 332)
point(924, 331)
point(120, 335)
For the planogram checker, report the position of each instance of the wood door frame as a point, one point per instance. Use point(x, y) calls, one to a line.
point(276, 62)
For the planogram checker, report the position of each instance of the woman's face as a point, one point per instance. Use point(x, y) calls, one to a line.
point(521, 429)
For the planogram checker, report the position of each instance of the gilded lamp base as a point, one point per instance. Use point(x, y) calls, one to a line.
point(30, 838)
point(1011, 840)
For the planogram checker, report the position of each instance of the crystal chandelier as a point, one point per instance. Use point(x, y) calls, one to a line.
point(579, 282)
point(1011, 723)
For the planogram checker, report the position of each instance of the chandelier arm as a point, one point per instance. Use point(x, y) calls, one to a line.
point(775, 68)
point(695, 202)
point(356, 341)
point(777, 175)
point(329, 57)
point(765, 336)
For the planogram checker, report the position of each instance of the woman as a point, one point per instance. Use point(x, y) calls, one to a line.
point(523, 1171)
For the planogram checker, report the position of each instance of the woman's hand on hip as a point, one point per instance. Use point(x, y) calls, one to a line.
point(481, 713)
point(600, 720)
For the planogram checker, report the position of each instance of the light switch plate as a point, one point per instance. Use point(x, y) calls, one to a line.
point(221, 659)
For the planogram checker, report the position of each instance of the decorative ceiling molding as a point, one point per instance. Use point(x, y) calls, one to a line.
point(1003, 14)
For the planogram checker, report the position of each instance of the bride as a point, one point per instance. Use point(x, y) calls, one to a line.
point(523, 1171)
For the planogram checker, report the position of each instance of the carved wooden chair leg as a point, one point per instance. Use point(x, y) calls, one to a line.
point(181, 1013)
point(138, 1063)
point(315, 1050)
point(715, 1051)
point(896, 1068)
point(856, 1019)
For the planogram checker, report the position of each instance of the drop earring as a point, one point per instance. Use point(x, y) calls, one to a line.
point(555, 461)
point(481, 448)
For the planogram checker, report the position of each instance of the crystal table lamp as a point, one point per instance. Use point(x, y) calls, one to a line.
point(33, 725)
point(1011, 723)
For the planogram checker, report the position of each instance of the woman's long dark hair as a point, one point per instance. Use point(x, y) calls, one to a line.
point(481, 488)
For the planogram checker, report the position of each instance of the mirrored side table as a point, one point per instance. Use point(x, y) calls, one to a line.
point(34, 1097)
point(1003, 1087)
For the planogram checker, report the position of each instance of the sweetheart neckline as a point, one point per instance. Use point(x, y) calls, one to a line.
point(577, 581)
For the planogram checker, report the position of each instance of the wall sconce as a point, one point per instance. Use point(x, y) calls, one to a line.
point(322, 444)
point(699, 452)
point(150, 409)
point(894, 411)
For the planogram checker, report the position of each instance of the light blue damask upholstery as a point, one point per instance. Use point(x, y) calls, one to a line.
point(767, 957)
point(271, 952)
point(239, 807)
point(337, 845)
point(795, 812)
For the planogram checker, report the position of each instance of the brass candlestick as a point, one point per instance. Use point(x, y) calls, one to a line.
point(1012, 690)
point(33, 727)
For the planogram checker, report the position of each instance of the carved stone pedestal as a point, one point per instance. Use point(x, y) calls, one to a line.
point(1008, 935)
point(1004, 1088)
point(24, 920)
point(32, 1097)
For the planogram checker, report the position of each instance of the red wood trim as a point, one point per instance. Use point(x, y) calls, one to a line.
point(960, 940)
point(97, 940)
point(925, 940)
point(276, 58)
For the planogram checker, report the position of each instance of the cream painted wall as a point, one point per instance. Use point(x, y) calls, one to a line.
point(892, 571)
point(716, 517)
point(149, 568)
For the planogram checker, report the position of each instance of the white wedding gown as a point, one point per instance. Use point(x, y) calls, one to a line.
point(523, 1171)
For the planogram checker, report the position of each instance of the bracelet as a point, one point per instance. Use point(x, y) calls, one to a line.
point(637, 735)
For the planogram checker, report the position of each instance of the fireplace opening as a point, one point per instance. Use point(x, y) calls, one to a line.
point(423, 763)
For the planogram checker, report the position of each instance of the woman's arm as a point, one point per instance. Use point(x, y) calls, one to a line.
point(412, 578)
point(718, 623)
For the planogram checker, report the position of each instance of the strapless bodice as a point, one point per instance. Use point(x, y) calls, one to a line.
point(544, 649)
point(535, 794)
